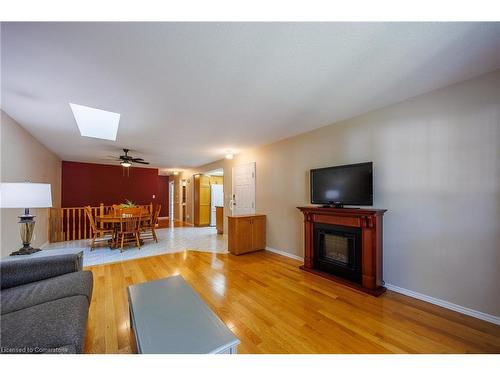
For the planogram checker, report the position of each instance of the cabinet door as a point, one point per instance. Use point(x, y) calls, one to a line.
point(259, 233)
point(244, 235)
point(204, 201)
point(219, 219)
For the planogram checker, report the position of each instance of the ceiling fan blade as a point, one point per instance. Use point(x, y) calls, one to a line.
point(129, 159)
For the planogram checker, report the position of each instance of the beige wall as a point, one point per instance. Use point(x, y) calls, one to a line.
point(23, 158)
point(437, 171)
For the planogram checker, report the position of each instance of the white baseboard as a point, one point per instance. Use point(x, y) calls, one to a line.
point(44, 245)
point(284, 253)
point(448, 305)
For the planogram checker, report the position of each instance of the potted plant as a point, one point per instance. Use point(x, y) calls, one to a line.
point(128, 204)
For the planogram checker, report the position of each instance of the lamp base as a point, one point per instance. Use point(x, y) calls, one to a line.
point(26, 229)
point(25, 251)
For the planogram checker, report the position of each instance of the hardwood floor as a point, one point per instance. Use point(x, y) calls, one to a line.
point(273, 307)
point(164, 222)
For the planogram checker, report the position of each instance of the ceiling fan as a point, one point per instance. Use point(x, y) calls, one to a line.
point(127, 160)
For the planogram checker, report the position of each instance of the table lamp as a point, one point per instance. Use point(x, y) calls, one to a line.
point(25, 195)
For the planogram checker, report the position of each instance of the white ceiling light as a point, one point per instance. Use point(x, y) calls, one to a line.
point(96, 123)
point(176, 173)
point(125, 164)
point(229, 155)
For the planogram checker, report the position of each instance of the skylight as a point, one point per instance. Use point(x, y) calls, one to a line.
point(96, 123)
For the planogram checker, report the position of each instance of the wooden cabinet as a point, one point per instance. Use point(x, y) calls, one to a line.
point(246, 233)
point(219, 219)
point(201, 200)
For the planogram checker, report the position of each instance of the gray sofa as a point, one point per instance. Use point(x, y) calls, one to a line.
point(44, 304)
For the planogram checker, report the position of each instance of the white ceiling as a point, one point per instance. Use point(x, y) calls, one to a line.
point(186, 92)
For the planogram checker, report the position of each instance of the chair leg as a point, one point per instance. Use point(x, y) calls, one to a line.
point(92, 245)
point(121, 249)
point(137, 239)
point(154, 234)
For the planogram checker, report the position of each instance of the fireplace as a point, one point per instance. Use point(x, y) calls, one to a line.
point(338, 250)
point(345, 245)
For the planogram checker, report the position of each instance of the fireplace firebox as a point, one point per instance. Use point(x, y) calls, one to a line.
point(338, 250)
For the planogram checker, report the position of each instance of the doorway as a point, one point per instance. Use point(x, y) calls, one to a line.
point(171, 187)
point(216, 200)
point(215, 194)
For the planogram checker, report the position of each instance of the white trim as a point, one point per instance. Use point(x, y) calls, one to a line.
point(43, 246)
point(448, 305)
point(284, 253)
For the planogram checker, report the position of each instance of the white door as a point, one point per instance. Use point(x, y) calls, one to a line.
point(243, 183)
point(216, 199)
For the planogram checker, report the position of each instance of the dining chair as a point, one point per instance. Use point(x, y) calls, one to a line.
point(98, 234)
point(149, 226)
point(130, 227)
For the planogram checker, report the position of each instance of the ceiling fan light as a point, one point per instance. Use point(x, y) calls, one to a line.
point(176, 173)
point(125, 164)
point(229, 155)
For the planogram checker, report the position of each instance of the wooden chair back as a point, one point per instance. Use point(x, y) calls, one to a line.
point(88, 212)
point(130, 219)
point(155, 216)
point(144, 211)
point(129, 224)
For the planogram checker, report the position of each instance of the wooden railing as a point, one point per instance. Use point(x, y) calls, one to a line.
point(71, 223)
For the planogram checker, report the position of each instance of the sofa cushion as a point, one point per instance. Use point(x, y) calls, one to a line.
point(52, 327)
point(27, 295)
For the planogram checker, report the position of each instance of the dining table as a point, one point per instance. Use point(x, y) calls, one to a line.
point(114, 217)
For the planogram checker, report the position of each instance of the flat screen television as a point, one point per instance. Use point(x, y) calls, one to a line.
point(343, 185)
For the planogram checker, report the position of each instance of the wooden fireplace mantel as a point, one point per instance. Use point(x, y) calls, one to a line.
point(370, 223)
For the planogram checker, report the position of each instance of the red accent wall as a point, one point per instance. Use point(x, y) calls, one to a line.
point(91, 184)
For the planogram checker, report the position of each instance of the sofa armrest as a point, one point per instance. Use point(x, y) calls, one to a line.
point(23, 271)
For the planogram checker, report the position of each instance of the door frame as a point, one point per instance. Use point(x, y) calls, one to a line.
point(171, 200)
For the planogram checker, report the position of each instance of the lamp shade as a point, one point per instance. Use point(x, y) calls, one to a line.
point(25, 195)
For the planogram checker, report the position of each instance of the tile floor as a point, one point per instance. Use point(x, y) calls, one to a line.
point(170, 240)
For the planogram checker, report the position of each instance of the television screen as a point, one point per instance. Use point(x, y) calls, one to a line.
point(346, 184)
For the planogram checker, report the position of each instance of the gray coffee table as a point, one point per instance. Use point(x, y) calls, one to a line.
point(168, 316)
